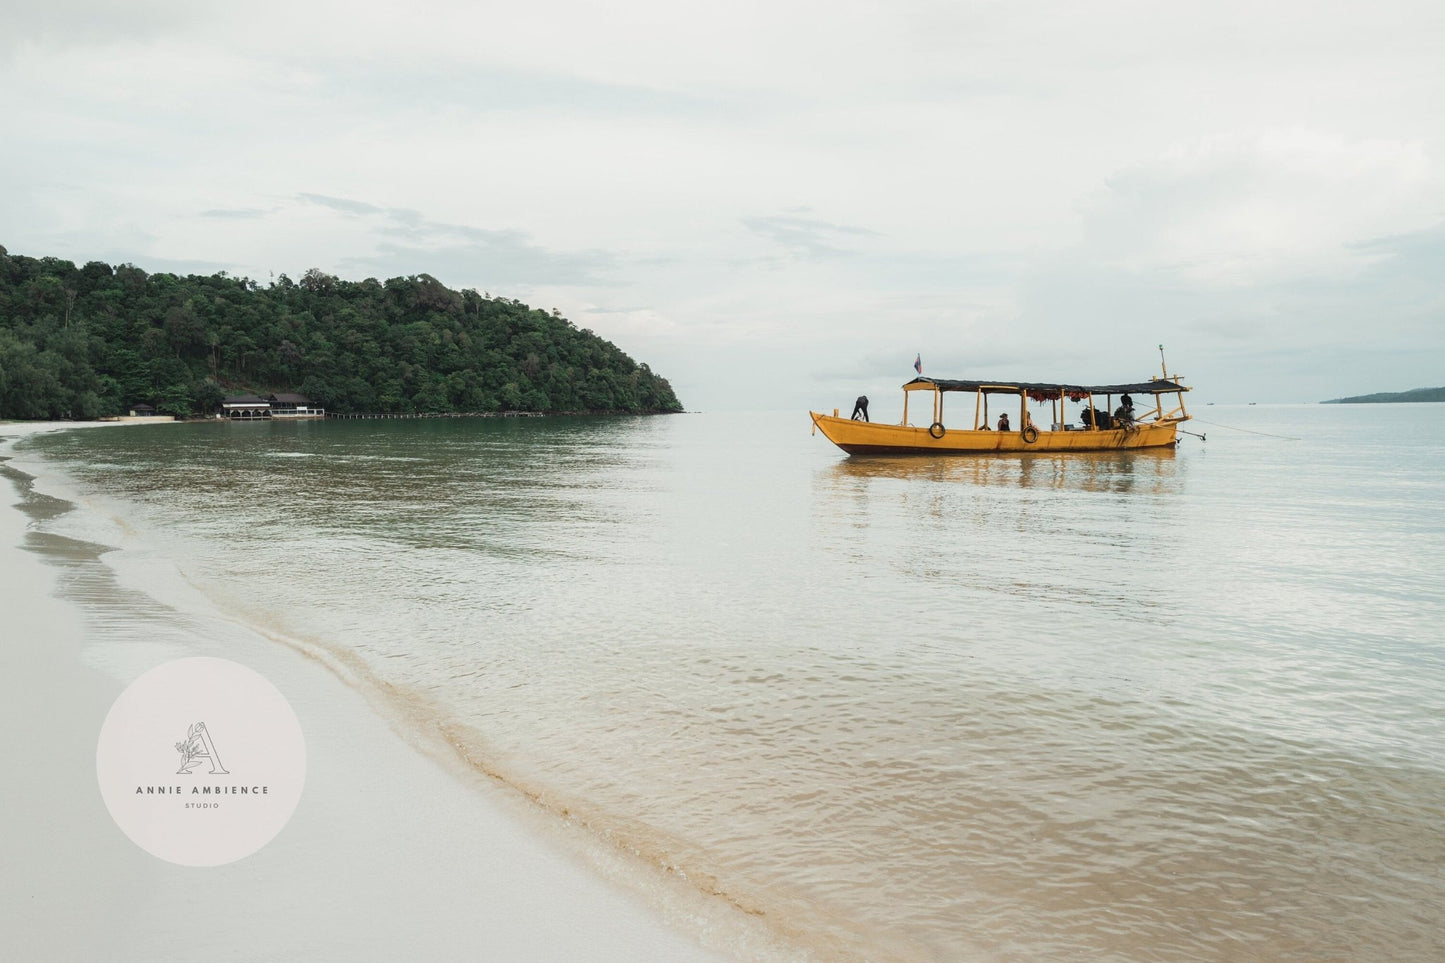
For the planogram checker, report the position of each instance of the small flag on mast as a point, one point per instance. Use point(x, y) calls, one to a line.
point(918, 363)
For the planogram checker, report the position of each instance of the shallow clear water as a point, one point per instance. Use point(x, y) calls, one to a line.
point(1167, 705)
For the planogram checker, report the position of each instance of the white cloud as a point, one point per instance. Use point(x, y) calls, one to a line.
point(62, 24)
point(1238, 210)
point(1040, 184)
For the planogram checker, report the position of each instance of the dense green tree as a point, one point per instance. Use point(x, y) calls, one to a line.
point(89, 341)
point(175, 400)
point(208, 396)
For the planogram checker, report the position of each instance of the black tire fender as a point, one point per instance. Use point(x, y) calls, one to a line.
point(937, 430)
point(1030, 434)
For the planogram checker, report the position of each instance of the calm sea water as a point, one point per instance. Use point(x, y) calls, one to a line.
point(1173, 705)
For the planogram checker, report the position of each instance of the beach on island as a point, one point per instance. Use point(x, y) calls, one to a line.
point(391, 853)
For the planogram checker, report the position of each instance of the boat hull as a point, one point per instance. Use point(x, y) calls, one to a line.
point(870, 438)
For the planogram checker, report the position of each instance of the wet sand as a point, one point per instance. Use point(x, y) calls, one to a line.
point(392, 852)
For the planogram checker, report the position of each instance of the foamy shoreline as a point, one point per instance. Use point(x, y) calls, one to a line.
point(389, 854)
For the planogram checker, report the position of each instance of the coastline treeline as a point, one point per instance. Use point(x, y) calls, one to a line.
point(91, 341)
point(1391, 397)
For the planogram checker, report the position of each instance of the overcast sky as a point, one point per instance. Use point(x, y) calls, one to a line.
point(778, 204)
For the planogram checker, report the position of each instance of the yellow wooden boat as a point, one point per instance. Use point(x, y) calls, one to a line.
point(975, 433)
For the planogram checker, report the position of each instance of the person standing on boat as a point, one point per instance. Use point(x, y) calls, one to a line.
point(860, 407)
point(1003, 422)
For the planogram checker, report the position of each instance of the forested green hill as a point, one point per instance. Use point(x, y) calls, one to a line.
point(94, 340)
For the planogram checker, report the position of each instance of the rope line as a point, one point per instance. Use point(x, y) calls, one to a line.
point(1249, 430)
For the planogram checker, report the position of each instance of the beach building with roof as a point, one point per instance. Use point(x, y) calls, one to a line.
point(291, 405)
point(241, 407)
point(279, 405)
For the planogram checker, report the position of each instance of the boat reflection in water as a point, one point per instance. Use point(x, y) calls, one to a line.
point(987, 534)
point(1147, 470)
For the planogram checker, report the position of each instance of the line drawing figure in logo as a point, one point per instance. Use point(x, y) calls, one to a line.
point(198, 746)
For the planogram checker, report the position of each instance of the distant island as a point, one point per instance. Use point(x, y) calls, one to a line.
point(92, 341)
point(1391, 397)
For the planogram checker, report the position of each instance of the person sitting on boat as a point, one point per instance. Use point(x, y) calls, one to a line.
point(1124, 416)
point(1003, 422)
point(860, 407)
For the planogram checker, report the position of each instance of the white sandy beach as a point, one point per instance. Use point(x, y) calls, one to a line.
point(390, 854)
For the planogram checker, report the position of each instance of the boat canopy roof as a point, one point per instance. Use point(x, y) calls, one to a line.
point(1158, 386)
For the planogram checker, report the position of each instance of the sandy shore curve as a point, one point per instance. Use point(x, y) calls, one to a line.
point(391, 854)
